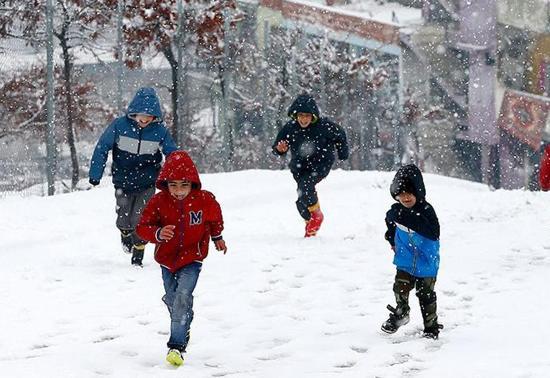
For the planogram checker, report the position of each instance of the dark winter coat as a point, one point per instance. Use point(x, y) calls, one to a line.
point(136, 151)
point(198, 217)
point(544, 173)
point(312, 148)
point(414, 232)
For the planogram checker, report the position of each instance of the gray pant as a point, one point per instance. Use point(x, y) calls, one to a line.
point(129, 207)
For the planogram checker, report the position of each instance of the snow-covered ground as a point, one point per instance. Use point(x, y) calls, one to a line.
point(278, 305)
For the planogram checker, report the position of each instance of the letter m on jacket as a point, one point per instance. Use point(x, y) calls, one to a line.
point(195, 218)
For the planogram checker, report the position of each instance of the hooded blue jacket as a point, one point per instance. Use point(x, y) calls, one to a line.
point(414, 232)
point(136, 151)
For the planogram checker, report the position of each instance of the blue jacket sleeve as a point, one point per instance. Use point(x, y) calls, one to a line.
point(101, 152)
point(168, 146)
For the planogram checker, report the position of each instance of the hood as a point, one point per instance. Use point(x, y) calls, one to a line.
point(408, 179)
point(178, 166)
point(304, 103)
point(145, 101)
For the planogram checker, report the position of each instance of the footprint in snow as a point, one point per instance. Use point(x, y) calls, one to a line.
point(345, 365)
point(225, 373)
point(449, 293)
point(106, 338)
point(296, 285)
point(129, 353)
point(400, 358)
point(272, 356)
point(359, 349)
point(39, 346)
point(408, 335)
point(264, 290)
point(102, 372)
point(412, 371)
point(537, 260)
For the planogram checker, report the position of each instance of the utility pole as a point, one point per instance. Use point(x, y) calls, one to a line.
point(397, 120)
point(225, 123)
point(120, 60)
point(266, 135)
point(181, 77)
point(50, 133)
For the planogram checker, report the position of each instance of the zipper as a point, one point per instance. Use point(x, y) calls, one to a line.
point(181, 221)
point(139, 139)
point(415, 252)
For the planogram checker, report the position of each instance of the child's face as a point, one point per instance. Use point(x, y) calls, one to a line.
point(406, 199)
point(304, 119)
point(179, 189)
point(144, 119)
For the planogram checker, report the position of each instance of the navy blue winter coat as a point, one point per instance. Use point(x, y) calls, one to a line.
point(137, 153)
point(414, 232)
point(312, 148)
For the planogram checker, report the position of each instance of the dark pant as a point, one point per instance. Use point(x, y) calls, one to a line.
point(307, 195)
point(404, 283)
point(128, 208)
point(179, 289)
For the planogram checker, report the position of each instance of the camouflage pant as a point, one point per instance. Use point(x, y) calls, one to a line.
point(404, 283)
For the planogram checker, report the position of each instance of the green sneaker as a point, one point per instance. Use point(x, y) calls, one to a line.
point(174, 357)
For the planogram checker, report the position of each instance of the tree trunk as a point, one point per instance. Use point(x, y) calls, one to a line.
point(70, 113)
point(167, 52)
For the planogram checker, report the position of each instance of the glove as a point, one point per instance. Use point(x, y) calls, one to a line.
point(93, 182)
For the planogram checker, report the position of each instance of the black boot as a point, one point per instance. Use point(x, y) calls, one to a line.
point(398, 317)
point(126, 240)
point(432, 332)
point(137, 254)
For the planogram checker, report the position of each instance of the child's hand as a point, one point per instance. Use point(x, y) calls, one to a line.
point(167, 232)
point(282, 146)
point(220, 245)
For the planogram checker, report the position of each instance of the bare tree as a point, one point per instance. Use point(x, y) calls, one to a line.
point(77, 24)
point(23, 104)
point(154, 24)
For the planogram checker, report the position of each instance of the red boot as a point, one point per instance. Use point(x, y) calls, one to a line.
point(314, 223)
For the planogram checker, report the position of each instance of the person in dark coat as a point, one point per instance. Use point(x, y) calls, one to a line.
point(312, 141)
point(137, 140)
point(413, 233)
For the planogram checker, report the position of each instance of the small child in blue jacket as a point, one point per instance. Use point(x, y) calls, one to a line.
point(413, 233)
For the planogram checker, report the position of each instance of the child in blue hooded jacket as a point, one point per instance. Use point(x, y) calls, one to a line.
point(413, 233)
point(136, 141)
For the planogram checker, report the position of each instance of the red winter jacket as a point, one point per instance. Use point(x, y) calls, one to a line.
point(544, 174)
point(197, 217)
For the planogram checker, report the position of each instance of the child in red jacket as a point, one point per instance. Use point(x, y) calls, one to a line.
point(181, 219)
